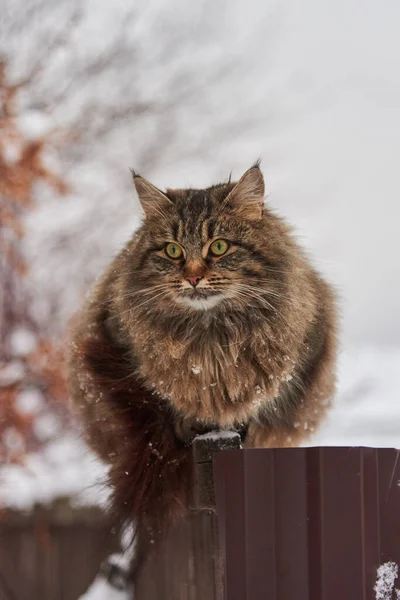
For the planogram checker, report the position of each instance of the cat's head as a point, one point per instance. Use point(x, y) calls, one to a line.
point(200, 248)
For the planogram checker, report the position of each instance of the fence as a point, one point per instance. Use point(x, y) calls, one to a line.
point(307, 523)
point(189, 565)
point(51, 553)
point(310, 524)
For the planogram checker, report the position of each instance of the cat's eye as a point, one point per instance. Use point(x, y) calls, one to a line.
point(173, 250)
point(219, 247)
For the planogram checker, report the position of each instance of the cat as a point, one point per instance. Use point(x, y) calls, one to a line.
point(211, 317)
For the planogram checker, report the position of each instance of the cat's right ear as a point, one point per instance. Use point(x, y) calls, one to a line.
point(152, 199)
point(246, 199)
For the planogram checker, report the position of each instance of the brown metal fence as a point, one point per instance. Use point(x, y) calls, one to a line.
point(52, 553)
point(309, 524)
point(303, 524)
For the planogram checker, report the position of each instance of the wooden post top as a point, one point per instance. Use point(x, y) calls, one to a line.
point(204, 447)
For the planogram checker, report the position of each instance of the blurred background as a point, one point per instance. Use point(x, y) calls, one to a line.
point(186, 93)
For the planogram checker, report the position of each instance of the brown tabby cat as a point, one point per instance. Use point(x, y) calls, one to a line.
point(210, 318)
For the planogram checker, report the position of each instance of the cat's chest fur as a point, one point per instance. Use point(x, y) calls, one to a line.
point(216, 377)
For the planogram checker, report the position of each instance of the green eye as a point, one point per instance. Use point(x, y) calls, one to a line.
point(173, 250)
point(219, 247)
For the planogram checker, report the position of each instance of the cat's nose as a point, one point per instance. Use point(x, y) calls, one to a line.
point(193, 280)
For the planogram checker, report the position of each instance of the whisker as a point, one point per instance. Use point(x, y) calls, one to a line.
point(131, 294)
point(165, 287)
point(263, 291)
point(162, 293)
point(136, 306)
point(261, 300)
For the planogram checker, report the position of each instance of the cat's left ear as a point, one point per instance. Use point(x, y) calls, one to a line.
point(152, 199)
point(247, 197)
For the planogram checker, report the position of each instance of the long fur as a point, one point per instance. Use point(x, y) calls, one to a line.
point(152, 362)
point(150, 470)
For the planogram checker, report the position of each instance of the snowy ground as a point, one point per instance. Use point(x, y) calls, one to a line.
point(100, 590)
point(64, 468)
point(367, 407)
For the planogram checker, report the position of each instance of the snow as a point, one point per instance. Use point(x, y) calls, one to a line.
point(22, 342)
point(34, 124)
point(366, 409)
point(46, 426)
point(29, 401)
point(64, 468)
point(217, 435)
point(386, 579)
point(101, 590)
point(11, 373)
point(13, 440)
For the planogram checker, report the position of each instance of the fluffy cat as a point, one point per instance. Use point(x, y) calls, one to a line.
point(211, 317)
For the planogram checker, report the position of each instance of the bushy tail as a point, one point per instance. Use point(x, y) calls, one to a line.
point(129, 427)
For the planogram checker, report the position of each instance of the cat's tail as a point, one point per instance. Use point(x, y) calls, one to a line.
point(132, 430)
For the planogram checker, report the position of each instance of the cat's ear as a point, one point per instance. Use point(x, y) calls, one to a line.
point(246, 199)
point(152, 199)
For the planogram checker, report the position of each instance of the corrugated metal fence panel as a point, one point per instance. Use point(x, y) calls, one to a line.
point(307, 523)
point(295, 524)
point(44, 556)
point(389, 503)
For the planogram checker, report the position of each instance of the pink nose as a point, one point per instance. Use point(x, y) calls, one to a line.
point(193, 280)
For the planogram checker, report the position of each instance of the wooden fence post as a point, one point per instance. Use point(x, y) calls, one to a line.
point(204, 448)
point(188, 566)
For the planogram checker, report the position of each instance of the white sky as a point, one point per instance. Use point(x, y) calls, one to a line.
point(313, 87)
point(325, 80)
